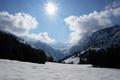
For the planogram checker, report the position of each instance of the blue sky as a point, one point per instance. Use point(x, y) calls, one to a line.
point(54, 26)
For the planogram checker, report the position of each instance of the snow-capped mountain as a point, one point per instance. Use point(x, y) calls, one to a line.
point(50, 52)
point(59, 45)
point(106, 37)
point(62, 47)
point(102, 38)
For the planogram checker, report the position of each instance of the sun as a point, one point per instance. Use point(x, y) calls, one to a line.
point(51, 8)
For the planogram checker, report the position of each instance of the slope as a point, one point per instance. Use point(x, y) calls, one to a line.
point(15, 70)
point(12, 48)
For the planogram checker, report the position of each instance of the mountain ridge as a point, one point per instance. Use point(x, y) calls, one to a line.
point(103, 38)
point(12, 48)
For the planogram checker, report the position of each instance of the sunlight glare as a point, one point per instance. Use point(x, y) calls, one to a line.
point(51, 8)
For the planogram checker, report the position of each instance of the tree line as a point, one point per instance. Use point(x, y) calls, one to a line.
point(103, 57)
point(12, 48)
point(109, 57)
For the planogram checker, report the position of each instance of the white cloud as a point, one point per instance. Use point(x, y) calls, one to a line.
point(90, 23)
point(43, 37)
point(20, 24)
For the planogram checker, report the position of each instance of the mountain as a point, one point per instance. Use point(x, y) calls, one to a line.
point(104, 38)
point(12, 47)
point(62, 47)
point(59, 45)
point(50, 52)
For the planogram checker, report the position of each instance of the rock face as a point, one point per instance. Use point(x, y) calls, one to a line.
point(106, 37)
point(12, 48)
point(102, 38)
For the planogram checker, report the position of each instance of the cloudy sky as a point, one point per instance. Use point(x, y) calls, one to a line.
point(57, 21)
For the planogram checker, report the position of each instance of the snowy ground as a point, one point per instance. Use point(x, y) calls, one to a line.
point(15, 70)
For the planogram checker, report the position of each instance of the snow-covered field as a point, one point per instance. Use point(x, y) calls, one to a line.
point(15, 70)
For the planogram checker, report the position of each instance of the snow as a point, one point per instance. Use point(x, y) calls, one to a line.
point(74, 60)
point(16, 70)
